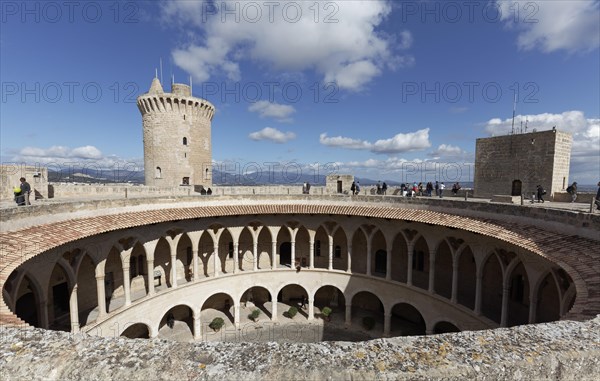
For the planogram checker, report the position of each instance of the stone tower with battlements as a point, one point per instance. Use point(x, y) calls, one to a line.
point(515, 164)
point(177, 130)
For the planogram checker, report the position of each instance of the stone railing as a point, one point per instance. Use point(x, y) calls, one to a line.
point(562, 350)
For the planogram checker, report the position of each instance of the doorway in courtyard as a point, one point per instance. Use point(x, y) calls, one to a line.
point(285, 254)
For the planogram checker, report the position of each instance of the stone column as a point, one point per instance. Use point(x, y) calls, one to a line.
point(255, 254)
point(349, 267)
point(74, 310)
point(311, 253)
point(478, 291)
point(311, 309)
point(236, 314)
point(274, 255)
point(533, 300)
point(454, 298)
point(101, 295)
point(197, 327)
point(409, 265)
point(369, 255)
point(43, 308)
point(236, 256)
point(195, 275)
point(126, 284)
point(293, 260)
point(274, 309)
point(173, 274)
point(387, 324)
point(504, 316)
point(432, 271)
point(330, 259)
point(348, 321)
point(150, 268)
point(388, 260)
point(216, 259)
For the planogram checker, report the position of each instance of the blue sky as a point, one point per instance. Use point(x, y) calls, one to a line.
point(381, 89)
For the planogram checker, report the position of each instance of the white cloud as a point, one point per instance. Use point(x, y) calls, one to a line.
point(412, 141)
point(343, 46)
point(554, 25)
point(273, 135)
point(65, 157)
point(585, 152)
point(448, 150)
point(272, 110)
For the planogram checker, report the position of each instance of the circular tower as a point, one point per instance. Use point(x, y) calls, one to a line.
point(177, 145)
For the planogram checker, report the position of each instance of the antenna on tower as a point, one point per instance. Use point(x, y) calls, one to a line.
point(172, 79)
point(161, 77)
point(514, 109)
point(155, 73)
point(521, 130)
point(191, 87)
point(526, 121)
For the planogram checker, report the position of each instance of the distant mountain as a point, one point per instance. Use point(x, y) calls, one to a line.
point(95, 176)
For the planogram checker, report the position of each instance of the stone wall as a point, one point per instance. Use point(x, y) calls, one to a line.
point(533, 158)
point(562, 350)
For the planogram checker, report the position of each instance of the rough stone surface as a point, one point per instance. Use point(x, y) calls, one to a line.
point(563, 350)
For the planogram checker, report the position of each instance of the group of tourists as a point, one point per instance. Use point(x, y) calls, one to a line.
point(355, 188)
point(306, 188)
point(381, 188)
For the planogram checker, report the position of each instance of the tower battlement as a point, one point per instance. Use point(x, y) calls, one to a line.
point(177, 136)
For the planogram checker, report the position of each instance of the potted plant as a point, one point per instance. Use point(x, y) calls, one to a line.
point(292, 312)
point(368, 322)
point(216, 324)
point(254, 315)
point(326, 312)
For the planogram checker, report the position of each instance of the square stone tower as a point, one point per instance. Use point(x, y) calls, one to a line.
point(516, 164)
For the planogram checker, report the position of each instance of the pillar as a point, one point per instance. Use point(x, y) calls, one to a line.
point(274, 308)
point(216, 260)
point(409, 265)
point(369, 255)
point(432, 271)
point(330, 259)
point(173, 274)
point(195, 270)
point(387, 324)
point(274, 255)
point(43, 308)
point(197, 327)
point(349, 268)
point(311, 309)
point(504, 316)
point(311, 253)
point(126, 284)
point(150, 267)
point(293, 260)
point(236, 257)
point(100, 294)
point(478, 290)
point(255, 255)
point(348, 314)
point(236, 314)
point(533, 301)
point(74, 311)
point(454, 298)
point(388, 260)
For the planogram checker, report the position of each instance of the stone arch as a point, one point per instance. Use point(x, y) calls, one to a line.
point(420, 263)
point(177, 323)
point(87, 293)
point(284, 247)
point(205, 254)
point(139, 279)
point(28, 300)
point(163, 263)
point(379, 254)
point(491, 287)
point(137, 331)
point(226, 252)
point(245, 250)
point(340, 249)
point(321, 251)
point(518, 301)
point(443, 326)
point(359, 252)
point(467, 277)
point(184, 260)
point(399, 258)
point(292, 295)
point(60, 288)
point(330, 296)
point(443, 270)
point(265, 246)
point(257, 297)
point(220, 305)
point(366, 304)
point(406, 320)
point(114, 290)
point(548, 299)
point(303, 246)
